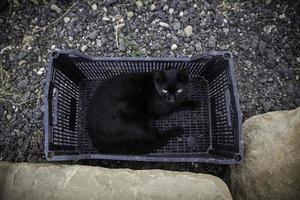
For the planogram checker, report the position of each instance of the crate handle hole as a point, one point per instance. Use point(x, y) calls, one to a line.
point(226, 56)
point(237, 157)
point(54, 54)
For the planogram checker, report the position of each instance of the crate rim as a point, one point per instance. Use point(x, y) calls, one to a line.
point(226, 54)
point(73, 52)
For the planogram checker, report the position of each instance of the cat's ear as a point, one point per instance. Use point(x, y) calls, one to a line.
point(159, 76)
point(183, 75)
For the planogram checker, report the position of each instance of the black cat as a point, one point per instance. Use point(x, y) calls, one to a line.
point(122, 107)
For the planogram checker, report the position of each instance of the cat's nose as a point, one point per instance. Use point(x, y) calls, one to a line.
point(172, 99)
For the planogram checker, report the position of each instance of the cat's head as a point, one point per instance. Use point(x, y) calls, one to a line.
point(171, 84)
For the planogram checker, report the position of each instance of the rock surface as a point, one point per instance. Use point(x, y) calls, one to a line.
point(272, 158)
point(265, 64)
point(46, 181)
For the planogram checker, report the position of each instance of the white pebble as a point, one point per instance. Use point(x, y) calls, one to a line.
point(226, 31)
point(67, 19)
point(41, 71)
point(105, 18)
point(130, 14)
point(83, 48)
point(163, 24)
point(53, 47)
point(139, 4)
point(171, 11)
point(152, 7)
point(173, 47)
point(181, 14)
point(282, 16)
point(166, 7)
point(94, 6)
point(188, 31)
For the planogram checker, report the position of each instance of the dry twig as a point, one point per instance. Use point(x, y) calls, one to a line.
point(47, 26)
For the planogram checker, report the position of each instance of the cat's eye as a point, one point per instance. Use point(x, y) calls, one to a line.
point(179, 90)
point(164, 91)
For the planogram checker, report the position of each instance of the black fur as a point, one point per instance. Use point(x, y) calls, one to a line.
point(121, 108)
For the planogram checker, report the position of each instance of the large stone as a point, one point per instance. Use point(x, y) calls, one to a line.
point(271, 168)
point(62, 182)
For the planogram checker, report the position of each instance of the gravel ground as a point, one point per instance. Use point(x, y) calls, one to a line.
point(262, 35)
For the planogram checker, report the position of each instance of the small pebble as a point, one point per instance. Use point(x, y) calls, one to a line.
point(212, 42)
point(83, 48)
point(226, 31)
point(173, 47)
point(188, 30)
point(267, 106)
point(130, 14)
point(268, 2)
point(171, 11)
point(94, 6)
point(282, 16)
point(67, 19)
point(55, 8)
point(139, 4)
point(53, 47)
point(163, 24)
point(27, 39)
point(8, 117)
point(199, 47)
point(181, 14)
point(166, 7)
point(105, 18)
point(176, 26)
point(41, 71)
point(22, 62)
point(152, 7)
point(268, 29)
point(92, 35)
point(20, 142)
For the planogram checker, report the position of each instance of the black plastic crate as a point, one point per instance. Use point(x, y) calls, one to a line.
point(212, 133)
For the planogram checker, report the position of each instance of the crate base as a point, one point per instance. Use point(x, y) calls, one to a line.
point(196, 137)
